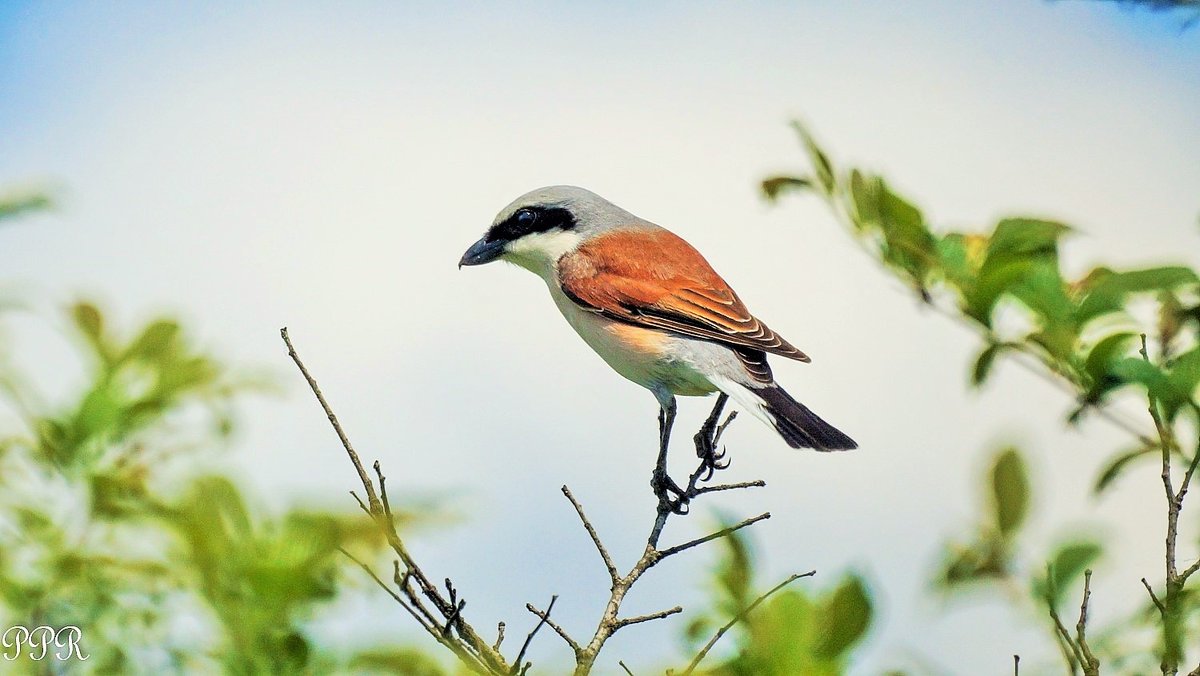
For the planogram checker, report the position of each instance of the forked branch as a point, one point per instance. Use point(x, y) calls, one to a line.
point(439, 610)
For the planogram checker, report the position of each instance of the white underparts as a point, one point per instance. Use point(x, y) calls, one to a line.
point(539, 251)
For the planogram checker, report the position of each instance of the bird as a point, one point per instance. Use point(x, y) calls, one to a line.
point(652, 307)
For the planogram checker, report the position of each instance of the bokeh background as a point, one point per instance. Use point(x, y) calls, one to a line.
point(324, 167)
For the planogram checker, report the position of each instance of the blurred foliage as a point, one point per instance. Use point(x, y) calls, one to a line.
point(110, 521)
point(1106, 334)
point(15, 203)
point(794, 631)
point(1008, 285)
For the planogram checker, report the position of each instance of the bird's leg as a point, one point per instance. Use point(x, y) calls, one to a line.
point(711, 459)
point(660, 481)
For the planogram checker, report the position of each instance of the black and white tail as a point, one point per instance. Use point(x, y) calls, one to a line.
point(799, 427)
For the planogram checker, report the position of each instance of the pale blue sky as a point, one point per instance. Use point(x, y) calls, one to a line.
point(324, 168)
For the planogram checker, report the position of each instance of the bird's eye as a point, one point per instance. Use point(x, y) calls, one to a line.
point(525, 218)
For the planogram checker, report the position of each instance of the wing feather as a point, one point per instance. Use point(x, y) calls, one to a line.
point(653, 278)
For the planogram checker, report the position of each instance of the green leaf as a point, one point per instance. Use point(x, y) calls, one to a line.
point(1025, 237)
point(864, 199)
point(1117, 465)
point(1185, 374)
point(776, 186)
point(986, 559)
point(995, 278)
point(983, 363)
point(1010, 491)
point(1067, 564)
point(1106, 352)
point(910, 245)
point(843, 618)
point(157, 339)
point(820, 161)
point(1158, 384)
point(1106, 291)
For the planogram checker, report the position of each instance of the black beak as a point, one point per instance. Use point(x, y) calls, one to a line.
point(482, 252)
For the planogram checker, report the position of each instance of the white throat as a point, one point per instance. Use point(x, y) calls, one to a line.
point(539, 252)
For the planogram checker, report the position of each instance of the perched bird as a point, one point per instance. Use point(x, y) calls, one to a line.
point(651, 306)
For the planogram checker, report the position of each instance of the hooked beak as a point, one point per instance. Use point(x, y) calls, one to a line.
point(482, 252)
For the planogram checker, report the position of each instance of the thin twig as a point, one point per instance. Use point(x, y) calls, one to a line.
point(387, 507)
point(1070, 650)
point(1154, 597)
point(625, 668)
point(337, 426)
point(529, 639)
point(545, 617)
point(383, 585)
point(362, 504)
point(691, 667)
point(475, 653)
point(757, 483)
point(713, 536)
point(637, 619)
point(1091, 665)
point(591, 531)
point(469, 659)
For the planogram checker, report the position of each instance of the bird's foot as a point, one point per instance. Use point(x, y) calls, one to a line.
point(670, 495)
point(712, 456)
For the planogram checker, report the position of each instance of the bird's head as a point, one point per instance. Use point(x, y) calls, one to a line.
point(541, 226)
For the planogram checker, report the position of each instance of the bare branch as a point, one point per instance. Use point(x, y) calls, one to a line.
point(622, 663)
point(337, 426)
point(713, 536)
point(625, 622)
point(361, 504)
point(529, 639)
point(758, 483)
point(383, 585)
point(1153, 597)
point(452, 630)
point(1091, 665)
point(473, 662)
point(387, 507)
point(545, 617)
point(1070, 650)
point(591, 531)
point(471, 649)
point(691, 667)
point(499, 636)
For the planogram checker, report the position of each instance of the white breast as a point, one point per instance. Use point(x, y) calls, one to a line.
point(656, 360)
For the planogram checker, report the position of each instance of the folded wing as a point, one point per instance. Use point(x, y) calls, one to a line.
point(653, 278)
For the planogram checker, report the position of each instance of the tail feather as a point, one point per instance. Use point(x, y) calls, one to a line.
point(799, 427)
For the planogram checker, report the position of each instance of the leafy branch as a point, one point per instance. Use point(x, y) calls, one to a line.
point(1008, 286)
